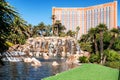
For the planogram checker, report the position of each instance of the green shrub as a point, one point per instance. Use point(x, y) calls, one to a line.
point(86, 46)
point(83, 59)
point(113, 64)
point(94, 58)
point(9, 44)
point(112, 55)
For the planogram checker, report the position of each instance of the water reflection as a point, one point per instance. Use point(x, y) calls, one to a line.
point(24, 71)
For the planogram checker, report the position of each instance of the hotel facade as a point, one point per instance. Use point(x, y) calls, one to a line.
point(87, 17)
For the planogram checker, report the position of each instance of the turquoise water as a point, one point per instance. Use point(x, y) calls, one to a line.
point(24, 71)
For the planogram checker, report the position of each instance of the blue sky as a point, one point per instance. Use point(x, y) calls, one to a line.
point(36, 11)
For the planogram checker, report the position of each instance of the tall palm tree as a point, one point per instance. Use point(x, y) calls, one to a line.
point(101, 28)
point(114, 32)
point(59, 27)
point(53, 21)
point(77, 31)
point(7, 14)
point(92, 32)
point(40, 28)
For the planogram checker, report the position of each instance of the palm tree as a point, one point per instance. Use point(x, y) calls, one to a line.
point(85, 38)
point(71, 33)
point(53, 21)
point(92, 32)
point(77, 31)
point(114, 32)
point(59, 27)
point(11, 24)
point(101, 28)
point(7, 14)
point(40, 28)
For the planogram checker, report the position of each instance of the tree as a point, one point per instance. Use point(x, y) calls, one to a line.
point(7, 15)
point(92, 32)
point(53, 21)
point(58, 28)
point(12, 27)
point(114, 33)
point(71, 33)
point(39, 29)
point(48, 30)
point(77, 31)
point(101, 28)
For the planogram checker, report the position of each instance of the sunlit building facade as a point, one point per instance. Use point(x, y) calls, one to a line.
point(87, 17)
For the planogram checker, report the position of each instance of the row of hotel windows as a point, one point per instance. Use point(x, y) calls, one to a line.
point(99, 15)
point(78, 17)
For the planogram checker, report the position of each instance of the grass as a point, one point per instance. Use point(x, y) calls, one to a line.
point(87, 72)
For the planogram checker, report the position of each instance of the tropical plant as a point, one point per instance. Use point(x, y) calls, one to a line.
point(112, 55)
point(39, 29)
point(94, 58)
point(53, 22)
point(58, 28)
point(86, 46)
point(71, 33)
point(77, 31)
point(101, 29)
point(113, 64)
point(92, 33)
point(83, 59)
point(114, 32)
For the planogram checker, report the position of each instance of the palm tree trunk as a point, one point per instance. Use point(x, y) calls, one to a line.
point(101, 47)
point(95, 44)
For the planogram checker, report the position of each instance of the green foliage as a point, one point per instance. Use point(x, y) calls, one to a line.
point(71, 33)
point(86, 46)
point(94, 58)
point(62, 34)
point(113, 64)
point(58, 28)
point(116, 45)
point(12, 27)
point(9, 44)
point(112, 55)
point(83, 59)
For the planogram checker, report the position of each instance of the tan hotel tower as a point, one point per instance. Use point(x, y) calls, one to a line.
point(87, 17)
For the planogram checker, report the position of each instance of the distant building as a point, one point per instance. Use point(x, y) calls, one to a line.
point(87, 17)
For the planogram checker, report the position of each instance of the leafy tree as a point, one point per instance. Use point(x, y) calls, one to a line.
point(85, 38)
point(116, 45)
point(101, 29)
point(53, 21)
point(77, 31)
point(7, 15)
point(71, 33)
point(86, 46)
point(39, 29)
point(59, 28)
point(92, 33)
point(114, 32)
point(112, 55)
point(48, 30)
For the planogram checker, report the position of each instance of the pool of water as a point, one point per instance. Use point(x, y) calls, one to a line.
point(24, 71)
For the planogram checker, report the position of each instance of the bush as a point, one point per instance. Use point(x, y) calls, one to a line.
point(112, 55)
point(9, 44)
point(86, 46)
point(94, 58)
point(113, 64)
point(83, 59)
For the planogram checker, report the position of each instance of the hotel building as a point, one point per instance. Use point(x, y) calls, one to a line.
point(87, 17)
